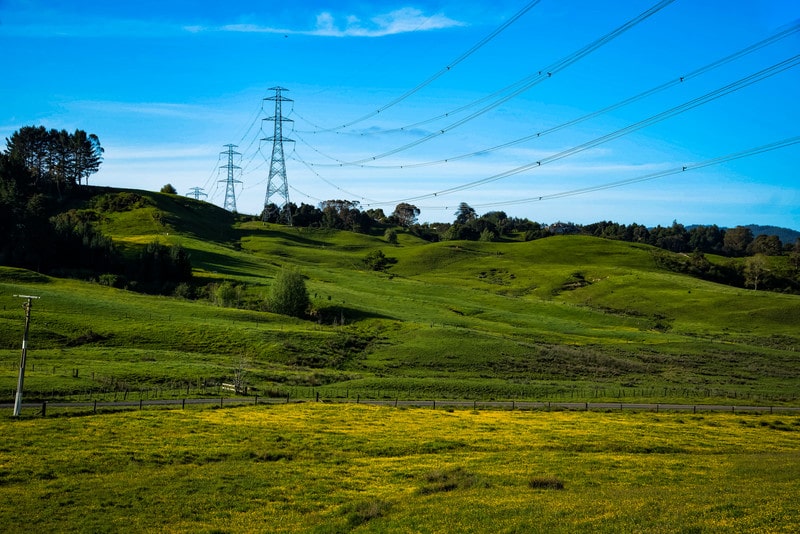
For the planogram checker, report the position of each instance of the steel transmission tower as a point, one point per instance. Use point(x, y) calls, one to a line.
point(277, 184)
point(230, 195)
point(196, 193)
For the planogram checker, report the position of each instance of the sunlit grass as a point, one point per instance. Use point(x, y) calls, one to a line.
point(450, 319)
point(330, 468)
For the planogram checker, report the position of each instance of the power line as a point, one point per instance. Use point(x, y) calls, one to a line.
point(318, 175)
point(704, 99)
point(652, 176)
point(444, 70)
point(666, 85)
point(532, 80)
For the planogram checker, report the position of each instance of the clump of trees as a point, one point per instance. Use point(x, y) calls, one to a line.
point(40, 171)
point(56, 160)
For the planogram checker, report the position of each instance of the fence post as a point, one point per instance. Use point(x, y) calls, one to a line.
point(44, 408)
point(95, 406)
point(140, 403)
point(183, 404)
point(256, 401)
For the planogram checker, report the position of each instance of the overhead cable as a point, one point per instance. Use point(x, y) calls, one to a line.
point(708, 97)
point(652, 176)
point(666, 85)
point(444, 70)
point(530, 81)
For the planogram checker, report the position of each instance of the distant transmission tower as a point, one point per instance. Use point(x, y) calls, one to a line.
point(277, 184)
point(230, 195)
point(196, 193)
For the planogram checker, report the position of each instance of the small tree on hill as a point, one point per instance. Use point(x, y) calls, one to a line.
point(755, 270)
point(288, 294)
point(168, 189)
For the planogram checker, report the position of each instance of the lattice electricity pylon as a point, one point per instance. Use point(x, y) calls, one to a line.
point(277, 183)
point(230, 195)
point(196, 193)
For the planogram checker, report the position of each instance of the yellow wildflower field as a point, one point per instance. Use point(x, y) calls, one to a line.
point(317, 467)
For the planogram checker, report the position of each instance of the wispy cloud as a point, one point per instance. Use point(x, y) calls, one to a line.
point(404, 20)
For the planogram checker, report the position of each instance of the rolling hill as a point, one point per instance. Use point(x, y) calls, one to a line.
point(561, 317)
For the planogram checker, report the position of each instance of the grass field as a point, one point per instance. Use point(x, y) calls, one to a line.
point(567, 318)
point(318, 467)
point(563, 317)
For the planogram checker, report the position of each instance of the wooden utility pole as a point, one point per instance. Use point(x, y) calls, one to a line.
point(21, 380)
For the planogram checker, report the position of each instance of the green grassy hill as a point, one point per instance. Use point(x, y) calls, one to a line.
point(562, 317)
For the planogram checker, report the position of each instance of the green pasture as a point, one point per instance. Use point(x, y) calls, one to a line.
point(325, 468)
point(573, 316)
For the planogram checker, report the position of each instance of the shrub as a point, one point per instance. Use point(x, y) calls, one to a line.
point(288, 294)
point(375, 260)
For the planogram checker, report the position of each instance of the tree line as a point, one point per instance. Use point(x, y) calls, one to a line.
point(690, 244)
point(497, 226)
point(44, 175)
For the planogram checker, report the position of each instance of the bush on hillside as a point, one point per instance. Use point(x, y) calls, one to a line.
point(288, 294)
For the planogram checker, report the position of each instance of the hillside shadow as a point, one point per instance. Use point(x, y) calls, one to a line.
point(223, 263)
point(345, 315)
point(295, 238)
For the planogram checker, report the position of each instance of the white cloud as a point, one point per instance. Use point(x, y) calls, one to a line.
point(404, 20)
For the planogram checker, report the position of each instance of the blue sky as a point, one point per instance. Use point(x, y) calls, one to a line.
point(165, 85)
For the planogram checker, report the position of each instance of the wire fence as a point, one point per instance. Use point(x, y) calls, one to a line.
point(46, 408)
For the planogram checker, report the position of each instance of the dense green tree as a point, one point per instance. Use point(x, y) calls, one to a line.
point(288, 294)
point(674, 238)
point(708, 239)
point(306, 215)
point(465, 214)
point(168, 189)
point(769, 245)
point(405, 214)
point(737, 240)
point(458, 232)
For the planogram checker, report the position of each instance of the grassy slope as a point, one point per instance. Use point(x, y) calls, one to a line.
point(451, 318)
